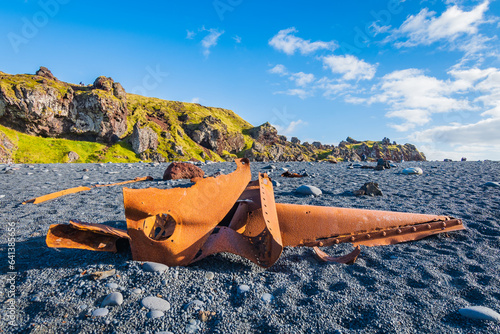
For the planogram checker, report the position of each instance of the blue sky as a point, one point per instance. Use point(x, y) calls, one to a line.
point(425, 72)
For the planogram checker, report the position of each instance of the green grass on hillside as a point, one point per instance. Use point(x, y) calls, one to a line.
point(33, 149)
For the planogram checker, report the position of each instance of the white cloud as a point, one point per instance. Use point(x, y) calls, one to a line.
point(486, 84)
point(483, 133)
point(333, 88)
point(414, 97)
point(350, 66)
point(426, 27)
point(210, 40)
point(290, 128)
point(237, 39)
point(190, 34)
point(302, 79)
point(299, 92)
point(279, 69)
point(195, 100)
point(286, 41)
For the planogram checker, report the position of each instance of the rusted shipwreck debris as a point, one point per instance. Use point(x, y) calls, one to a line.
point(231, 213)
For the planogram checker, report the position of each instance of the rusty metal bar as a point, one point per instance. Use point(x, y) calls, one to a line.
point(229, 213)
point(51, 196)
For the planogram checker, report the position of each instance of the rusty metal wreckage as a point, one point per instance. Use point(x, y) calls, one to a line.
point(231, 213)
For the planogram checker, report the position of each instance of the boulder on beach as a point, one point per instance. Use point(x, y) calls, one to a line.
point(308, 190)
point(182, 170)
point(369, 189)
point(413, 171)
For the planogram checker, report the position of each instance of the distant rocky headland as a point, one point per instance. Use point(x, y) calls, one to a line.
point(45, 120)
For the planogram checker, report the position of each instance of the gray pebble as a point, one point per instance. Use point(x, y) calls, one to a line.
point(308, 190)
point(79, 292)
point(114, 298)
point(154, 267)
point(100, 312)
point(192, 326)
point(155, 303)
point(112, 285)
point(137, 291)
point(267, 297)
point(492, 184)
point(209, 275)
point(196, 304)
point(243, 288)
point(413, 171)
point(85, 177)
point(276, 184)
point(155, 314)
point(479, 313)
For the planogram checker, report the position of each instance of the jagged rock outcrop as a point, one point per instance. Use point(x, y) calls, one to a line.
point(265, 134)
point(211, 133)
point(109, 85)
point(143, 139)
point(46, 73)
point(44, 106)
point(6, 149)
point(352, 150)
point(73, 156)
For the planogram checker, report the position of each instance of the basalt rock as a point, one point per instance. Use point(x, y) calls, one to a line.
point(265, 134)
point(212, 134)
point(143, 139)
point(44, 106)
point(6, 149)
point(353, 150)
point(46, 73)
point(182, 170)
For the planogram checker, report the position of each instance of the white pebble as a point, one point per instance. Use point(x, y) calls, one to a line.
point(308, 190)
point(114, 298)
point(154, 267)
point(480, 313)
point(155, 314)
point(100, 312)
point(155, 303)
point(267, 297)
point(243, 288)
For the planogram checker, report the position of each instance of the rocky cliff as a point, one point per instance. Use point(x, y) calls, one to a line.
point(127, 127)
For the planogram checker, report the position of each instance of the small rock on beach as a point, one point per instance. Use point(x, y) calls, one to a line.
point(308, 190)
point(492, 184)
point(112, 299)
point(480, 313)
point(154, 267)
point(100, 312)
point(413, 171)
point(155, 303)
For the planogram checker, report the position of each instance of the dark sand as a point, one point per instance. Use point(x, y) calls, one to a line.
point(415, 287)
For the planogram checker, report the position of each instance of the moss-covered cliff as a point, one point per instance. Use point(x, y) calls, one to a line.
point(42, 119)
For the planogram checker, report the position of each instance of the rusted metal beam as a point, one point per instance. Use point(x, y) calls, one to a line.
point(65, 192)
point(229, 213)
